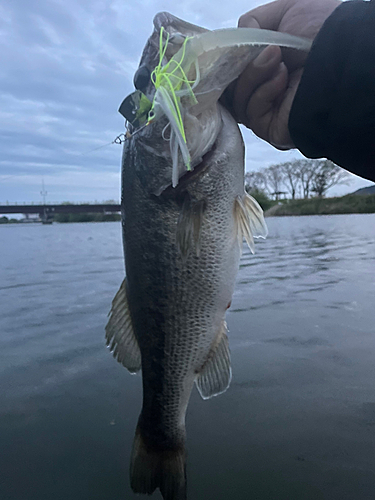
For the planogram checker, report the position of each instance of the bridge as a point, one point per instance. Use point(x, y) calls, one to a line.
point(46, 212)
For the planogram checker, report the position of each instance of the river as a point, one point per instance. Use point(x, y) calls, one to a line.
point(297, 423)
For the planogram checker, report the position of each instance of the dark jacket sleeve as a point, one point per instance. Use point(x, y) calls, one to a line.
point(333, 113)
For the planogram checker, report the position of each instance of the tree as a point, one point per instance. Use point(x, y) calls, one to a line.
point(306, 171)
point(274, 179)
point(327, 175)
point(290, 171)
point(255, 181)
point(306, 176)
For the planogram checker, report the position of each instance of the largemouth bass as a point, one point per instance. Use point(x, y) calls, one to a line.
point(185, 215)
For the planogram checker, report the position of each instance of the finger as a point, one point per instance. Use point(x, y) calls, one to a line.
point(246, 21)
point(279, 130)
point(256, 73)
point(266, 16)
point(264, 114)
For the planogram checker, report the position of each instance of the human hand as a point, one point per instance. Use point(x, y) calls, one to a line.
point(262, 97)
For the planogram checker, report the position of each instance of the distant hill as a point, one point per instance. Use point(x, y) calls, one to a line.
point(368, 190)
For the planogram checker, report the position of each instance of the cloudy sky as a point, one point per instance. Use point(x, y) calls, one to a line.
point(66, 65)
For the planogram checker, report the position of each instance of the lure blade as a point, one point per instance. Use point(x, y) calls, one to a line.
point(135, 108)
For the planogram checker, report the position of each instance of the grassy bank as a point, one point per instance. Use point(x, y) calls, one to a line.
point(349, 204)
point(71, 218)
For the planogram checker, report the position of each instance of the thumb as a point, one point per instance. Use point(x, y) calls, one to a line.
point(266, 17)
point(247, 21)
point(259, 71)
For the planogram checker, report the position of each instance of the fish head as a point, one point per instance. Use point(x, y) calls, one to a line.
point(175, 30)
point(184, 70)
point(153, 141)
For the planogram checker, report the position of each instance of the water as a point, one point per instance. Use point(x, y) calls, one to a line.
point(298, 421)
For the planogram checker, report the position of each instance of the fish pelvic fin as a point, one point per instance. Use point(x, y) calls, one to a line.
point(189, 226)
point(152, 468)
point(250, 221)
point(216, 373)
point(119, 333)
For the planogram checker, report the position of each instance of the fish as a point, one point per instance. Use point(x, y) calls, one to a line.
point(185, 214)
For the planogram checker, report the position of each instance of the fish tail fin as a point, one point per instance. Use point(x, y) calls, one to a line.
point(151, 468)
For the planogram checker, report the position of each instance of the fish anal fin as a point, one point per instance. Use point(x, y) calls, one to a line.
point(119, 333)
point(250, 221)
point(189, 226)
point(216, 373)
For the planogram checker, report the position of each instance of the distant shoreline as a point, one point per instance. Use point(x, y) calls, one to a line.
point(39, 223)
point(349, 204)
point(67, 219)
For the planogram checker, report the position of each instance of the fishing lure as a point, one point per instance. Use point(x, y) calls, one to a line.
point(168, 81)
point(171, 81)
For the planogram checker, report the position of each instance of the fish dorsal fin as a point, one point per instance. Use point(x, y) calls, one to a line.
point(216, 373)
point(119, 333)
point(249, 220)
point(189, 226)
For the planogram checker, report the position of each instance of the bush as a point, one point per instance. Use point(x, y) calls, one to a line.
point(349, 204)
point(87, 217)
point(262, 199)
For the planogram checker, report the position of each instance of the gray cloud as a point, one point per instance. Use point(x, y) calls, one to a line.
point(66, 66)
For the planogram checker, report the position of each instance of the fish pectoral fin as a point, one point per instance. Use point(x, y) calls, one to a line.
point(119, 333)
point(189, 226)
point(249, 220)
point(216, 373)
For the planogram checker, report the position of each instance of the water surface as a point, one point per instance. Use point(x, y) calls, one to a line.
point(298, 421)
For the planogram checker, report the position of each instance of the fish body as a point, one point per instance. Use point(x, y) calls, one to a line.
point(182, 247)
point(182, 254)
point(177, 300)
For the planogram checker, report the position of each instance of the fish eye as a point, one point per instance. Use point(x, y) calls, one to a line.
point(142, 78)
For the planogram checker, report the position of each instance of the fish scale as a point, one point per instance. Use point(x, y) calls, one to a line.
point(182, 247)
point(177, 305)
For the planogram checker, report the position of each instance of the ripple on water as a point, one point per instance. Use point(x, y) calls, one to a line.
point(303, 349)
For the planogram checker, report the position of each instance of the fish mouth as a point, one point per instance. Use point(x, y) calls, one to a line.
point(191, 175)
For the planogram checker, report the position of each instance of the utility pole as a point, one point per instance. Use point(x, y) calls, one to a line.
point(44, 217)
point(43, 193)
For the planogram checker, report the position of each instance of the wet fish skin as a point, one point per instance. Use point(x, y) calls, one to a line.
point(175, 28)
point(178, 304)
point(182, 248)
